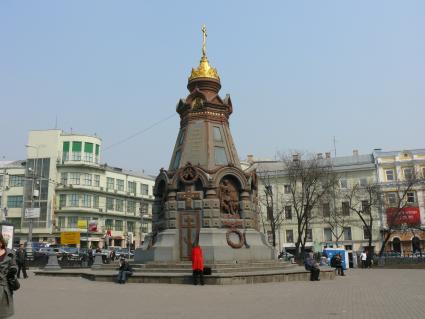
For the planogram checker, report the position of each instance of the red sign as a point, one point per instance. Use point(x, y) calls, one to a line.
point(405, 215)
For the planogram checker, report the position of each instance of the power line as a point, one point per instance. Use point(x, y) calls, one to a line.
point(140, 132)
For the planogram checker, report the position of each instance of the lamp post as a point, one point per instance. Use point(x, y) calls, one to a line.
point(33, 194)
point(143, 215)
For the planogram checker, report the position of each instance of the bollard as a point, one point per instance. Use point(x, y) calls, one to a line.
point(52, 263)
point(98, 262)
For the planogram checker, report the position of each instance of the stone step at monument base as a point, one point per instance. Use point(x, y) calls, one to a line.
point(295, 273)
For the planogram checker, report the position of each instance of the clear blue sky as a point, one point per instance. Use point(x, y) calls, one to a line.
point(299, 73)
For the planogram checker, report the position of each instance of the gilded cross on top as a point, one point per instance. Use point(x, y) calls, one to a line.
point(204, 40)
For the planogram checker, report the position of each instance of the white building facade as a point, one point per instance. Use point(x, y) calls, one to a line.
point(64, 178)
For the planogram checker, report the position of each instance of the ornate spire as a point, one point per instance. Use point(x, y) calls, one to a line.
point(204, 70)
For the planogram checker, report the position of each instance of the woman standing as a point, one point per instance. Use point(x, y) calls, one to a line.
point(7, 269)
point(197, 265)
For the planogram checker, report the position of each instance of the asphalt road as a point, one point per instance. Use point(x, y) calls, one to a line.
point(369, 293)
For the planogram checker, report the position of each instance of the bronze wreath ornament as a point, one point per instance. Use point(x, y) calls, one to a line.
point(233, 244)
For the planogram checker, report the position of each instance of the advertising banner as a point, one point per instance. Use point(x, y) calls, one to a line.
point(7, 232)
point(32, 212)
point(82, 224)
point(405, 215)
point(70, 238)
point(93, 226)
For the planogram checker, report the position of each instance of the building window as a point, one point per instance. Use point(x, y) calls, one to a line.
point(326, 210)
point(120, 185)
point(177, 159)
point(408, 173)
point(118, 225)
point(76, 151)
point(363, 182)
point(130, 227)
point(110, 183)
point(109, 203)
point(288, 212)
point(411, 198)
point(61, 222)
point(119, 204)
point(62, 201)
point(16, 180)
point(96, 180)
point(131, 207)
point(14, 201)
point(366, 233)
point(327, 234)
point(345, 208)
point(144, 189)
point(365, 207)
point(389, 173)
point(347, 233)
point(87, 179)
point(88, 152)
point(1, 180)
point(287, 189)
point(74, 178)
point(95, 201)
point(109, 224)
point(72, 222)
point(181, 137)
point(74, 200)
point(131, 187)
point(289, 236)
point(391, 199)
point(220, 156)
point(343, 183)
point(309, 233)
point(217, 134)
point(423, 173)
point(86, 202)
point(64, 178)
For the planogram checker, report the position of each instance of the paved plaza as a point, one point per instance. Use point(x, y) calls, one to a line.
point(375, 293)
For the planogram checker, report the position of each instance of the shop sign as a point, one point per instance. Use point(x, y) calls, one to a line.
point(70, 238)
point(405, 215)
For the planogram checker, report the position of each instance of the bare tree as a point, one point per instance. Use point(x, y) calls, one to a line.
point(333, 216)
point(396, 203)
point(365, 202)
point(268, 200)
point(309, 181)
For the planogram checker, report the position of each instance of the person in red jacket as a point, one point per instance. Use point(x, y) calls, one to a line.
point(197, 265)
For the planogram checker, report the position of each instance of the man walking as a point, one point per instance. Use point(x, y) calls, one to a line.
point(363, 257)
point(21, 260)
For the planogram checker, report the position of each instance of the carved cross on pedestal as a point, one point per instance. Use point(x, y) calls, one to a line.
point(188, 196)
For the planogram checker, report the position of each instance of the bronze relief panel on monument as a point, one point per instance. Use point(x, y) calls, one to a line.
point(229, 198)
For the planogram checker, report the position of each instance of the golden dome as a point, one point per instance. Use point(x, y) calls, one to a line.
point(204, 70)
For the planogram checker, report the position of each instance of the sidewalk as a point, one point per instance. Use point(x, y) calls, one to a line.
point(369, 293)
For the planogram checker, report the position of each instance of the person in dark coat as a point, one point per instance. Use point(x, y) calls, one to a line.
point(124, 271)
point(8, 270)
point(197, 265)
point(337, 263)
point(311, 264)
point(21, 261)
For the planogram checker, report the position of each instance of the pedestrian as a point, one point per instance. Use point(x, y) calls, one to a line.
point(124, 271)
point(21, 261)
point(197, 265)
point(337, 263)
point(113, 255)
point(311, 265)
point(363, 257)
point(8, 272)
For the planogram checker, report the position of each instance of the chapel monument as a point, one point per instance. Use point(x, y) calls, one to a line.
point(205, 197)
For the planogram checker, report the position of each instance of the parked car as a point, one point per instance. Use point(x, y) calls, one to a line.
point(47, 250)
point(124, 252)
point(284, 255)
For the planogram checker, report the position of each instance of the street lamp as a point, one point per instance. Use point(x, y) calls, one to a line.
point(34, 193)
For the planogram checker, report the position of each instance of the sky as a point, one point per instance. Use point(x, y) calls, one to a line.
point(300, 73)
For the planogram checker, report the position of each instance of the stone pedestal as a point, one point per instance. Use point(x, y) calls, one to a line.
point(98, 261)
point(52, 263)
